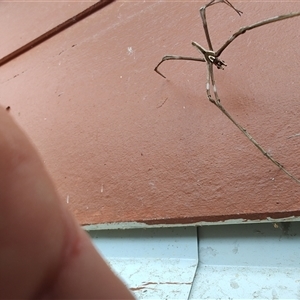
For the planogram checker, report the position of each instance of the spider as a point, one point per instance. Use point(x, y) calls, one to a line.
point(211, 58)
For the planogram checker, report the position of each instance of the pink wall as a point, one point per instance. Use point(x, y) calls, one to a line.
point(123, 144)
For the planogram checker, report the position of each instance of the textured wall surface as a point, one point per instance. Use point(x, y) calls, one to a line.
point(125, 145)
point(23, 21)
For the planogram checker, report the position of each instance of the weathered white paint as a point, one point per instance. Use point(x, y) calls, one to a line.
point(132, 225)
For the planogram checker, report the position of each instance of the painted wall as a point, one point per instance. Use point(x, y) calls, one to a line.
point(125, 145)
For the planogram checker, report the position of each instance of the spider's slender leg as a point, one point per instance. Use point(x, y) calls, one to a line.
point(253, 141)
point(239, 12)
point(204, 22)
point(255, 25)
point(217, 102)
point(175, 57)
point(213, 82)
point(203, 17)
point(210, 61)
point(208, 82)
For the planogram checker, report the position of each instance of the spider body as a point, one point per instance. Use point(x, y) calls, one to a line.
point(210, 56)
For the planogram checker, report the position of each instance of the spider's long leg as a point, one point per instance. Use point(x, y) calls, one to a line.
point(200, 48)
point(210, 81)
point(175, 57)
point(213, 82)
point(255, 25)
point(216, 101)
point(203, 17)
point(248, 135)
point(239, 12)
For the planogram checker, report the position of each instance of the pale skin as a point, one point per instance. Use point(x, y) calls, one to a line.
point(44, 254)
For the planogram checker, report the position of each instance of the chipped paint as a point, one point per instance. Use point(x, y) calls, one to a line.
point(132, 225)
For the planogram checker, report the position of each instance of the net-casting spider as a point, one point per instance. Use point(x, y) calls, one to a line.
point(211, 58)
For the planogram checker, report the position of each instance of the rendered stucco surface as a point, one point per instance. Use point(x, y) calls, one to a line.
point(124, 144)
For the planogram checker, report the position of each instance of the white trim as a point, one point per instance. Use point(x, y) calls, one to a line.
point(134, 225)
